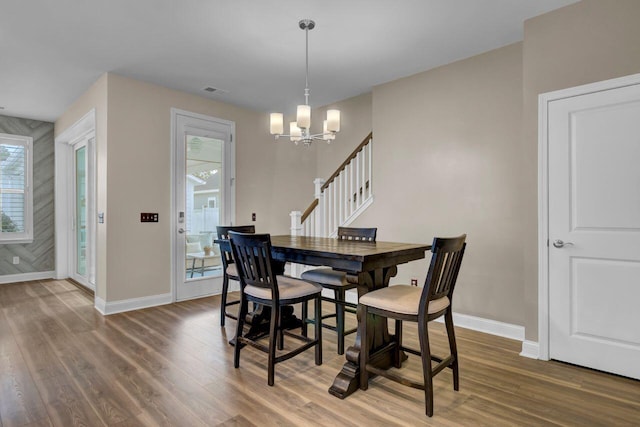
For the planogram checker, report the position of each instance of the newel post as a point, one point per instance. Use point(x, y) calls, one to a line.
point(319, 210)
point(296, 223)
point(296, 230)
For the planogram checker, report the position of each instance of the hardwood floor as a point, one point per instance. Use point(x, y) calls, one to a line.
point(63, 364)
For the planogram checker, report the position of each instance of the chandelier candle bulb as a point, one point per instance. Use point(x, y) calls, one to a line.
point(277, 124)
point(295, 132)
point(326, 135)
point(304, 117)
point(333, 120)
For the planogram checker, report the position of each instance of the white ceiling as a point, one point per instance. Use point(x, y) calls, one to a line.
point(52, 51)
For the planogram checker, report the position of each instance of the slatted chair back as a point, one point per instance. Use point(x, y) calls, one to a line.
point(227, 260)
point(252, 254)
point(443, 271)
point(223, 233)
point(354, 233)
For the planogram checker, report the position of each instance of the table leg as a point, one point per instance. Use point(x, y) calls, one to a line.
point(348, 379)
point(202, 268)
point(193, 267)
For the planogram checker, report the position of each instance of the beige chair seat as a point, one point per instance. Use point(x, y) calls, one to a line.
point(288, 288)
point(403, 299)
point(340, 282)
point(232, 270)
point(326, 276)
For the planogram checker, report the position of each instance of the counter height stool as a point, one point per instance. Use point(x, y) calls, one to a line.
point(259, 284)
point(411, 303)
point(229, 270)
point(337, 281)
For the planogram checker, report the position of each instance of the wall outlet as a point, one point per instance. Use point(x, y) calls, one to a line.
point(414, 282)
point(253, 216)
point(16, 260)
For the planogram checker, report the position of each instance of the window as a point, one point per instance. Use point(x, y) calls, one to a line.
point(16, 199)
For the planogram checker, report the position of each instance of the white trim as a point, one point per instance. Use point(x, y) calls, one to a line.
point(26, 236)
point(26, 277)
point(488, 326)
point(355, 214)
point(530, 349)
point(543, 194)
point(112, 307)
point(493, 327)
point(85, 128)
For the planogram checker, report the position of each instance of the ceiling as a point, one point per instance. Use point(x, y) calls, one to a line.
point(252, 51)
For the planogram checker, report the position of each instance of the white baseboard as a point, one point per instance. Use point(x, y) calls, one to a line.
point(26, 277)
point(493, 327)
point(530, 349)
point(113, 307)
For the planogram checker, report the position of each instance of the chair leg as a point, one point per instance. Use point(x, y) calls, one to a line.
point(448, 320)
point(397, 352)
point(273, 331)
point(223, 304)
point(318, 329)
point(340, 296)
point(423, 335)
point(364, 346)
point(280, 335)
point(239, 330)
point(305, 317)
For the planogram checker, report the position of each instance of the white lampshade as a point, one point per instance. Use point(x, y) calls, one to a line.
point(303, 118)
point(333, 120)
point(295, 132)
point(277, 124)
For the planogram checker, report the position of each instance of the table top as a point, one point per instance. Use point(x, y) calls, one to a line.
point(201, 255)
point(346, 255)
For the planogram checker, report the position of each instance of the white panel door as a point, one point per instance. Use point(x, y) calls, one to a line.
point(594, 209)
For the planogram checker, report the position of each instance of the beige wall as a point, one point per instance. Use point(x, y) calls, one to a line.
point(447, 161)
point(272, 179)
point(586, 42)
point(356, 123)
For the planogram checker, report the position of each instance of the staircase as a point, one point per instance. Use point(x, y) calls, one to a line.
point(340, 199)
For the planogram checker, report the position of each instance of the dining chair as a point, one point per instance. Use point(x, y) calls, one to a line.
point(421, 305)
point(259, 284)
point(339, 282)
point(229, 271)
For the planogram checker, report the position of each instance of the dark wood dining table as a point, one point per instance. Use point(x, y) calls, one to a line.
point(372, 264)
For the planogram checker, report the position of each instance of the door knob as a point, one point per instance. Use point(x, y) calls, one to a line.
point(560, 244)
point(181, 231)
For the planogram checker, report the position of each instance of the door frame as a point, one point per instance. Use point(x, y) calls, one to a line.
point(543, 193)
point(228, 179)
point(85, 128)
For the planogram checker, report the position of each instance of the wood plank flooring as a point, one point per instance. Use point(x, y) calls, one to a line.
point(63, 364)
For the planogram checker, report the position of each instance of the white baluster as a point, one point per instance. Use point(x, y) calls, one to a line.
point(319, 210)
point(370, 168)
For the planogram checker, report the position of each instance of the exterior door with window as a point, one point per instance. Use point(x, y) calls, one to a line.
point(204, 199)
point(81, 267)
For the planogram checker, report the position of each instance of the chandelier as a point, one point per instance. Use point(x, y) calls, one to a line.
point(299, 131)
